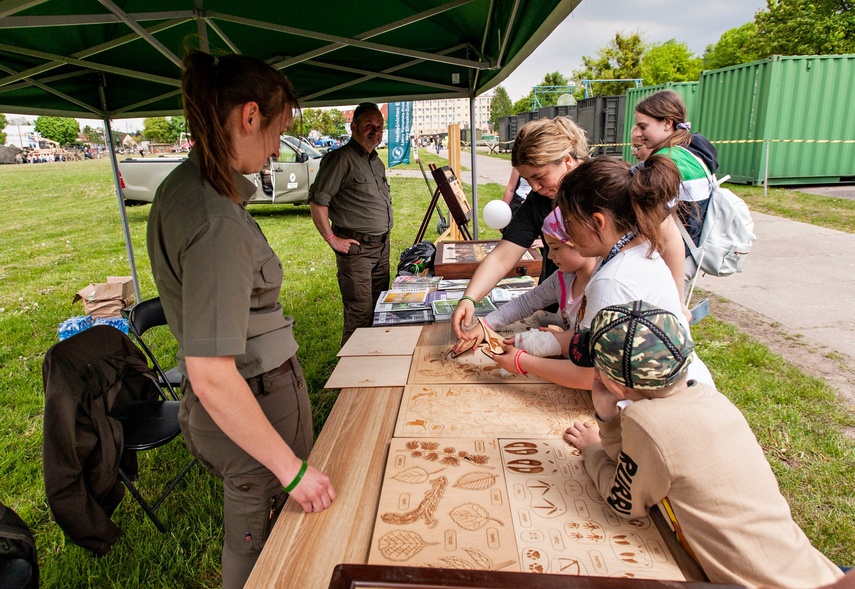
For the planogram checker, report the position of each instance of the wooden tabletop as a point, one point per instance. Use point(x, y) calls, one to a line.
point(304, 549)
point(352, 450)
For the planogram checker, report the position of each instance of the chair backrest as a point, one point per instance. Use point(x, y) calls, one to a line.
point(145, 316)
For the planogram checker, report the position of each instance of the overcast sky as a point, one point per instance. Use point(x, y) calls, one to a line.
point(594, 23)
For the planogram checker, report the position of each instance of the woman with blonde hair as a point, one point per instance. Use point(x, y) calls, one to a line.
point(245, 410)
point(544, 151)
point(613, 212)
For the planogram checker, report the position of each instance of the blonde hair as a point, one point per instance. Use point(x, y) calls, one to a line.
point(548, 141)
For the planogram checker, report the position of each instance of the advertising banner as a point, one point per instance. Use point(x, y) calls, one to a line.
point(400, 126)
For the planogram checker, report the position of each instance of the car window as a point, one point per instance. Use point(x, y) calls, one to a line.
point(287, 153)
point(300, 144)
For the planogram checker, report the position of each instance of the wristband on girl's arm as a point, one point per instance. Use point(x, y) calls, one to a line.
point(517, 364)
point(297, 478)
point(468, 298)
point(330, 236)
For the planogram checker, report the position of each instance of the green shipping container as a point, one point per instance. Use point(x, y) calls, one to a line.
point(687, 90)
point(798, 108)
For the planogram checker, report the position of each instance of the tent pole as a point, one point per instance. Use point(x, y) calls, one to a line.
point(472, 144)
point(114, 162)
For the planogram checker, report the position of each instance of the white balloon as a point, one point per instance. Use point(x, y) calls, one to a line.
point(497, 214)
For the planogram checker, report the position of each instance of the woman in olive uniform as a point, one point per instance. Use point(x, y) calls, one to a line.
point(245, 410)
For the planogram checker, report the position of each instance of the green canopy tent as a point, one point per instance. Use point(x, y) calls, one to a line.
point(114, 59)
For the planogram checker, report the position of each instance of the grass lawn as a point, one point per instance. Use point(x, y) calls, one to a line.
point(60, 230)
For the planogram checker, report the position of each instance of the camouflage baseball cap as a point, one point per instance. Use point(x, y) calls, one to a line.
point(637, 345)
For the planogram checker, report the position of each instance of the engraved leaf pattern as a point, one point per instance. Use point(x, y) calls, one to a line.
point(401, 545)
point(457, 563)
point(479, 558)
point(471, 516)
point(413, 475)
point(476, 481)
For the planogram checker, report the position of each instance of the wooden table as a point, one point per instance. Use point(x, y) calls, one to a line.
point(303, 549)
point(352, 450)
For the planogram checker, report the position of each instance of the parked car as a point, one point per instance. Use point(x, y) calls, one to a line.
point(292, 174)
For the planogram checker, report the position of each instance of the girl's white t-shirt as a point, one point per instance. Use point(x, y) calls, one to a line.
point(633, 276)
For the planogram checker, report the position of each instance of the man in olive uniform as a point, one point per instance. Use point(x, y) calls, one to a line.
point(351, 192)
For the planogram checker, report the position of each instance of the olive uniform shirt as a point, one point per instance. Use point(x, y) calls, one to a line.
point(218, 278)
point(353, 184)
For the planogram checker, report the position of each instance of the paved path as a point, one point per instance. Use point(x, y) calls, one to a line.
point(801, 276)
point(798, 275)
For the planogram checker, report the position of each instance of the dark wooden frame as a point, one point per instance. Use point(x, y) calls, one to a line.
point(465, 269)
point(355, 576)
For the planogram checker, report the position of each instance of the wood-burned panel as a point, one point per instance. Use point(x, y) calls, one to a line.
point(524, 410)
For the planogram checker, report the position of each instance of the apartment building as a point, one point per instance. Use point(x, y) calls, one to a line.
point(432, 117)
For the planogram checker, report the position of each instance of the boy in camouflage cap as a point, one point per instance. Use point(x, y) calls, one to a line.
point(664, 438)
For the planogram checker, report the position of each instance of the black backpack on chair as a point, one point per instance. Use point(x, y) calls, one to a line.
point(19, 567)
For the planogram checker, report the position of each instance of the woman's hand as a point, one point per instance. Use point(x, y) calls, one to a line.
point(473, 337)
point(582, 434)
point(314, 492)
point(462, 319)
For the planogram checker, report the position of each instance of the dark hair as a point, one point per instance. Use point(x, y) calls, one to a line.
point(211, 88)
point(634, 197)
point(364, 107)
point(667, 104)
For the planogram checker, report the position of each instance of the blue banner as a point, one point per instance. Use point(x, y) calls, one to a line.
point(400, 126)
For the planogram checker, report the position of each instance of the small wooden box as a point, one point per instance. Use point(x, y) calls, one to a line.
point(460, 259)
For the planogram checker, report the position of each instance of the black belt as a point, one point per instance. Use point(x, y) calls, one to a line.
point(360, 237)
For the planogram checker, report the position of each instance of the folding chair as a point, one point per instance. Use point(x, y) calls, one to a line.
point(101, 370)
point(145, 316)
point(147, 425)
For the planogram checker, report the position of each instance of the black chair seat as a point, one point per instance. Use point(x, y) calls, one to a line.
point(147, 424)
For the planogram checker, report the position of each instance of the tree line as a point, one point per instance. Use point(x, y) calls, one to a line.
point(786, 27)
point(66, 131)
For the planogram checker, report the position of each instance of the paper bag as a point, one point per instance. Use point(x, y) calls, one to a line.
point(107, 299)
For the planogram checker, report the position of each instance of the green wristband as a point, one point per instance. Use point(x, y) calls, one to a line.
point(297, 478)
point(467, 298)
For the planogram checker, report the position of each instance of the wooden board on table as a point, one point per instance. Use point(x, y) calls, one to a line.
point(510, 410)
point(449, 503)
point(369, 371)
point(565, 527)
point(444, 504)
point(434, 365)
point(382, 341)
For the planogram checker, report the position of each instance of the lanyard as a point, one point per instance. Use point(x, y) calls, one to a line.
point(619, 245)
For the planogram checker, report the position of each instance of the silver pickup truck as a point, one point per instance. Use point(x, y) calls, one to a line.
point(285, 180)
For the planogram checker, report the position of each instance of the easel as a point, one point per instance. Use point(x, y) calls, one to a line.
point(458, 207)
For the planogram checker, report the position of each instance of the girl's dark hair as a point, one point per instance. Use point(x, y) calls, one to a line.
point(634, 197)
point(667, 104)
point(211, 88)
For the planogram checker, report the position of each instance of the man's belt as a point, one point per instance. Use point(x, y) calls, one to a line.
point(360, 237)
